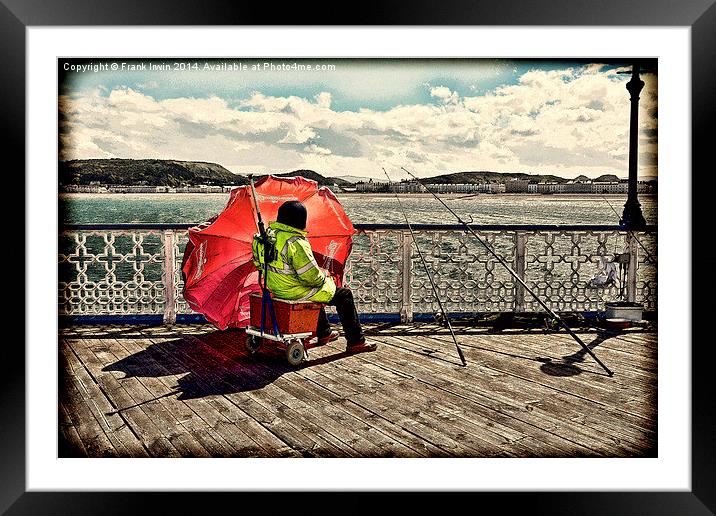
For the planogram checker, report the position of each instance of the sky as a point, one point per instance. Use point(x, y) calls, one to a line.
point(352, 117)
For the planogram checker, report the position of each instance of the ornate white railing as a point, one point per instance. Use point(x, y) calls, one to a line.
point(135, 269)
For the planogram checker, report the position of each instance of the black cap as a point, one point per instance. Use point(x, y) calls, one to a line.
point(292, 213)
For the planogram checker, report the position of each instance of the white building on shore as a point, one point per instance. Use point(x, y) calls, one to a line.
point(610, 187)
point(84, 189)
point(371, 186)
point(545, 188)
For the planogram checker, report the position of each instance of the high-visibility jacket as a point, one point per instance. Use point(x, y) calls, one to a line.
point(294, 274)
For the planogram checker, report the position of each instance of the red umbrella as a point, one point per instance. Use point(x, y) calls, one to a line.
point(217, 267)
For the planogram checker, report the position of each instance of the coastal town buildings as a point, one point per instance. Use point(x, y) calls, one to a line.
point(405, 187)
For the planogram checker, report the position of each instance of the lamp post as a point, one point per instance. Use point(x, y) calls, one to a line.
point(632, 217)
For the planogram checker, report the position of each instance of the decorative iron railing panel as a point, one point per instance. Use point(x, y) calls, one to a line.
point(111, 272)
point(136, 269)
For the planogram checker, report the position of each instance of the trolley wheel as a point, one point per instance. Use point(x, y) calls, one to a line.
point(252, 343)
point(295, 352)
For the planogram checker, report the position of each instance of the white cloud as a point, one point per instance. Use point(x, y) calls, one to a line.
point(316, 149)
point(323, 99)
point(445, 95)
point(574, 121)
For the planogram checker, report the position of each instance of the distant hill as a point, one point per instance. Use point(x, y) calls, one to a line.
point(158, 172)
point(485, 176)
point(153, 172)
point(355, 179)
point(611, 178)
point(315, 176)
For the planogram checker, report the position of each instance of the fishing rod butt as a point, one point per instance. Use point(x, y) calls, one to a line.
point(462, 357)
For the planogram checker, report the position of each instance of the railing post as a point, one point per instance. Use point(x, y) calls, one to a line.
point(520, 250)
point(406, 308)
point(632, 246)
point(170, 315)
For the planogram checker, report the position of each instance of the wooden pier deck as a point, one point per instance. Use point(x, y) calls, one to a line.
point(192, 391)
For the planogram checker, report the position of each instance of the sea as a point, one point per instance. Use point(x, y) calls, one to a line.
point(81, 208)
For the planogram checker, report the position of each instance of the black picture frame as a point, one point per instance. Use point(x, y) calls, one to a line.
point(699, 15)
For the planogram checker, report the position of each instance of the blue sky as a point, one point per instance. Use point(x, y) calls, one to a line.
point(443, 115)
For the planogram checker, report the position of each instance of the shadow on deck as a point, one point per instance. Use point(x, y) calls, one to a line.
point(194, 391)
point(208, 373)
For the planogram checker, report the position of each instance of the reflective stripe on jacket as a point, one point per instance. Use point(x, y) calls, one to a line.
point(294, 274)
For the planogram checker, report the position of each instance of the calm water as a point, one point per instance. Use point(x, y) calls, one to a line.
point(362, 208)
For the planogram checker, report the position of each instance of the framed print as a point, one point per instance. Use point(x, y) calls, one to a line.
point(143, 135)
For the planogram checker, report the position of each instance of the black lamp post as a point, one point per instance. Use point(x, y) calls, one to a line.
point(632, 217)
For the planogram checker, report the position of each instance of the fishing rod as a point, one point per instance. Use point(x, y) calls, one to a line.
point(269, 255)
point(648, 254)
point(514, 275)
point(444, 316)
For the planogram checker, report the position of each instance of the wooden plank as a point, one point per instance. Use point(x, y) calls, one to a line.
point(396, 402)
point(151, 435)
point(305, 388)
point(70, 443)
point(95, 441)
point(627, 395)
point(459, 381)
point(566, 398)
point(272, 444)
point(292, 407)
point(488, 418)
point(358, 387)
point(419, 446)
point(153, 403)
point(349, 387)
point(637, 366)
point(217, 413)
point(460, 434)
point(286, 367)
point(297, 394)
point(554, 350)
point(641, 369)
point(600, 387)
point(408, 399)
point(269, 444)
point(379, 444)
point(511, 389)
point(619, 348)
point(263, 406)
point(114, 426)
point(493, 426)
point(189, 412)
point(293, 427)
point(631, 390)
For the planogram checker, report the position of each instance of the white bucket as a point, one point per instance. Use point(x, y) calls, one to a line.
point(624, 310)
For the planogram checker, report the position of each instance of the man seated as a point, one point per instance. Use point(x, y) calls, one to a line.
point(295, 275)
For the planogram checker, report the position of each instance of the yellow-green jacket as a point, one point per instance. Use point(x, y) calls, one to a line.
point(294, 274)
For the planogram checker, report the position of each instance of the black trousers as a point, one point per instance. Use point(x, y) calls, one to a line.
point(346, 308)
